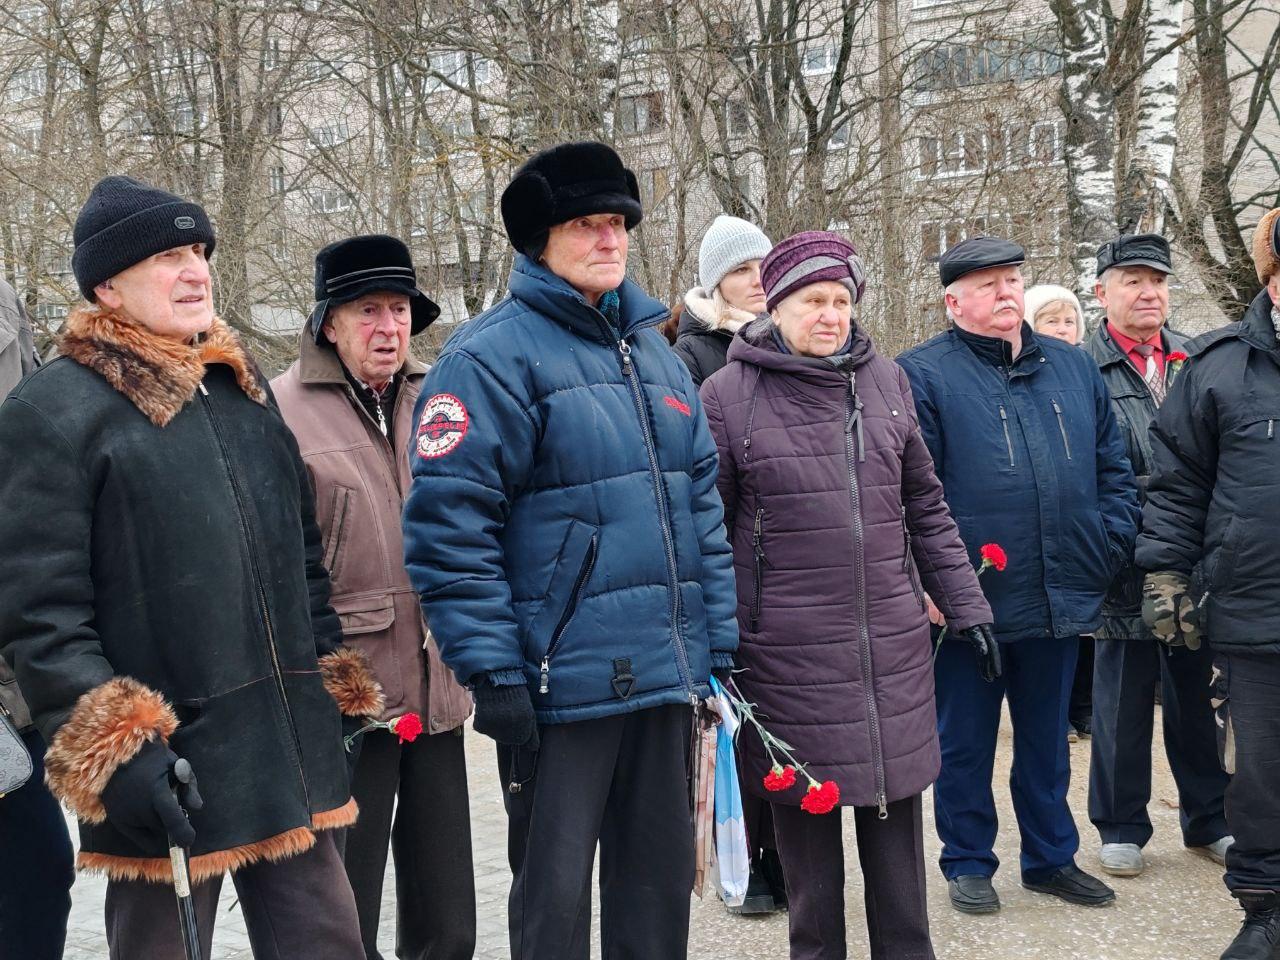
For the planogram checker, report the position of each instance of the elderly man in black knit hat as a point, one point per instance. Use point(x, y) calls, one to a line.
point(567, 540)
point(163, 597)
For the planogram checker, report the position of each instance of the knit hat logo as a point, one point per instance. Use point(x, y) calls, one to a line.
point(185, 223)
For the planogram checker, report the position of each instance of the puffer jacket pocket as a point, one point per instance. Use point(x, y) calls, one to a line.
point(758, 562)
point(909, 562)
point(573, 568)
point(1223, 561)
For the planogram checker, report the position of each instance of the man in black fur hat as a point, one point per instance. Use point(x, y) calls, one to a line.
point(565, 535)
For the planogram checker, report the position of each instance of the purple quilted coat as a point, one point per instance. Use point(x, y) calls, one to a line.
point(838, 526)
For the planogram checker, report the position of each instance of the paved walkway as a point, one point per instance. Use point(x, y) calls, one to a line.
point(1178, 910)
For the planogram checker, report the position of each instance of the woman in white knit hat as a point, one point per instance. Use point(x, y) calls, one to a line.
point(1055, 312)
point(729, 294)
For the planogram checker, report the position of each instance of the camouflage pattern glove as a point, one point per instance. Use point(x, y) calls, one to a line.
point(1169, 611)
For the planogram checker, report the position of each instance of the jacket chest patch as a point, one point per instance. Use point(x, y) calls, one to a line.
point(675, 403)
point(442, 426)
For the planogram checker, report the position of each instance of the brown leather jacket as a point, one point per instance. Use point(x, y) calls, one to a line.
point(360, 481)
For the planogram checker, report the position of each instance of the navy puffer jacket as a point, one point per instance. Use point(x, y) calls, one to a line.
point(1030, 456)
point(563, 529)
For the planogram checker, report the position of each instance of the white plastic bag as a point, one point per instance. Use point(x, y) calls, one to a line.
point(732, 866)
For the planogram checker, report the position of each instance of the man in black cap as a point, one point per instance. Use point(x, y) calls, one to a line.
point(349, 400)
point(1209, 545)
point(1140, 359)
point(1027, 448)
point(163, 597)
point(567, 540)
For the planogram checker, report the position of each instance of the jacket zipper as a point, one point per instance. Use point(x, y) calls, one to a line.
point(757, 552)
point(908, 562)
point(1008, 441)
point(1062, 427)
point(864, 638)
point(584, 574)
point(338, 524)
point(277, 673)
point(682, 654)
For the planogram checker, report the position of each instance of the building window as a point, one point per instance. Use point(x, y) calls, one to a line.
point(275, 180)
point(1018, 146)
point(655, 185)
point(737, 118)
point(839, 137)
point(642, 114)
point(275, 119)
point(330, 200)
point(818, 60)
point(329, 135)
point(271, 55)
point(950, 66)
point(452, 64)
point(26, 84)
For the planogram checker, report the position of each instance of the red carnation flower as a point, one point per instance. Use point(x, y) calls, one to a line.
point(780, 778)
point(821, 799)
point(1177, 356)
point(994, 554)
point(407, 727)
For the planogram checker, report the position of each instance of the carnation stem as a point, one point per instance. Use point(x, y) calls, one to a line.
point(745, 711)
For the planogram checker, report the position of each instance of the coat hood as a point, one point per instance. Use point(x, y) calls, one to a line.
point(702, 313)
point(755, 344)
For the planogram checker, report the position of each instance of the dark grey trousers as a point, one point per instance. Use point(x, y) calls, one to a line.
point(1125, 678)
point(430, 840)
point(618, 782)
point(891, 852)
point(299, 907)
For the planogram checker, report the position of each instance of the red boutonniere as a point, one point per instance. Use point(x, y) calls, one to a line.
point(1173, 362)
point(407, 727)
point(820, 797)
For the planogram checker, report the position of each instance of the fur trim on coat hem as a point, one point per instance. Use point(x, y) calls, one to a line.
point(208, 865)
point(350, 681)
point(106, 729)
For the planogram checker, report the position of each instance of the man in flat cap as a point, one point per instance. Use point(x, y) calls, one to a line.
point(1209, 545)
point(567, 540)
point(1027, 448)
point(349, 400)
point(1140, 358)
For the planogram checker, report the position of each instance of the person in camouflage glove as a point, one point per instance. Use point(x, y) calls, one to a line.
point(1211, 494)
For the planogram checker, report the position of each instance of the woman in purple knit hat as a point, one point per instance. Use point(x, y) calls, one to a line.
point(838, 529)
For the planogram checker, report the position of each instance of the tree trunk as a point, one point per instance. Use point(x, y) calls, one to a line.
point(1142, 207)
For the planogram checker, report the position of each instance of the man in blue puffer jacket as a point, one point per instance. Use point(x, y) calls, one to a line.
point(565, 535)
point(1026, 445)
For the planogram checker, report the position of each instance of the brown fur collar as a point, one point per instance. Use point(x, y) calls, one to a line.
point(349, 679)
point(160, 376)
point(106, 729)
point(206, 865)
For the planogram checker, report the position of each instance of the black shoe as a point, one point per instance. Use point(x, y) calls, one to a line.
point(1083, 727)
point(1260, 933)
point(771, 870)
point(758, 899)
point(973, 894)
point(1073, 885)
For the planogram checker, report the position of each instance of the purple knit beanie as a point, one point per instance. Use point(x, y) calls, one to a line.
point(808, 258)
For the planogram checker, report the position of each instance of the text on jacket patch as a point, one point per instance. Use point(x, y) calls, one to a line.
point(442, 426)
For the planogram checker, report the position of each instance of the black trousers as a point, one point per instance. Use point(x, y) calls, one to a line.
point(299, 907)
point(430, 838)
point(1080, 709)
point(1251, 683)
point(619, 782)
point(891, 852)
point(1126, 674)
point(36, 868)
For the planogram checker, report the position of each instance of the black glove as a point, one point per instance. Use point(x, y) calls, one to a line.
point(349, 726)
point(506, 714)
point(723, 675)
point(141, 803)
point(985, 646)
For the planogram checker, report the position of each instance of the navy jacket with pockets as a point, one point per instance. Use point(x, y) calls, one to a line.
point(563, 529)
point(1030, 456)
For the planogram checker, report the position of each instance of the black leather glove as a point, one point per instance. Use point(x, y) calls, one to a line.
point(506, 714)
point(350, 725)
point(141, 803)
point(988, 650)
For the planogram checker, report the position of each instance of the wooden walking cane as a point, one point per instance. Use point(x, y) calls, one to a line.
point(179, 858)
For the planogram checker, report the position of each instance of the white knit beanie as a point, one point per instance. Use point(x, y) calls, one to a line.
point(728, 243)
point(1041, 295)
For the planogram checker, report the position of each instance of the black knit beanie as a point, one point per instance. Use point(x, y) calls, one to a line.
point(124, 221)
point(567, 181)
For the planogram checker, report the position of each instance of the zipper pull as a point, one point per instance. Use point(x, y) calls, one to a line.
point(1271, 429)
point(202, 389)
point(624, 348)
point(884, 806)
point(544, 681)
